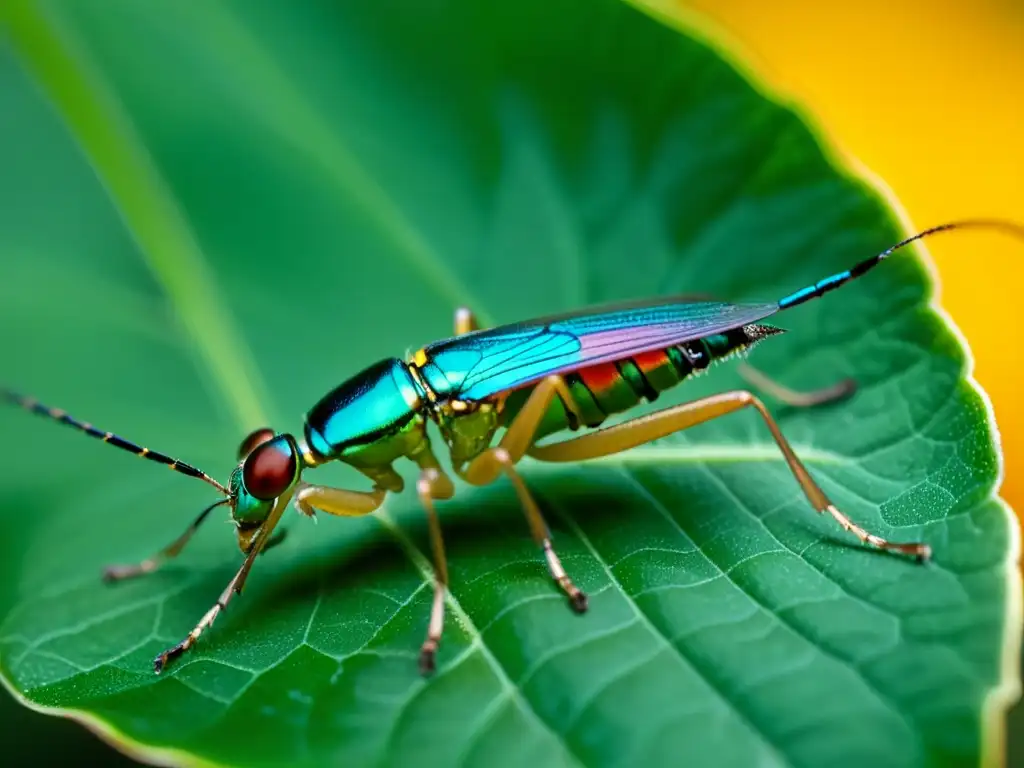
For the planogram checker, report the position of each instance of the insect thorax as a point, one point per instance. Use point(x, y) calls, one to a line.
point(371, 419)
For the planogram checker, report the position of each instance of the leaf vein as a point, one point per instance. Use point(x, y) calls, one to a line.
point(680, 655)
point(422, 564)
point(817, 646)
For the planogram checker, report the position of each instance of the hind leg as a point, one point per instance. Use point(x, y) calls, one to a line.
point(758, 380)
point(629, 434)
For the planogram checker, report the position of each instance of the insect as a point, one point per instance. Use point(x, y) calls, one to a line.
point(533, 379)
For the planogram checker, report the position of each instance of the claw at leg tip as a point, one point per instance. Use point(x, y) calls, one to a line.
point(579, 602)
point(427, 661)
point(112, 573)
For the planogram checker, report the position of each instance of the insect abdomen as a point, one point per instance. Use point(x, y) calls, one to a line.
point(600, 391)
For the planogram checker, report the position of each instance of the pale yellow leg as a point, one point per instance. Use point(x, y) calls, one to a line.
point(838, 391)
point(337, 501)
point(256, 544)
point(434, 484)
point(501, 459)
point(622, 437)
point(465, 321)
point(538, 527)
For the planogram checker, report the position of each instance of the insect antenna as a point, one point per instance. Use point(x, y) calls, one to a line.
point(832, 282)
point(33, 405)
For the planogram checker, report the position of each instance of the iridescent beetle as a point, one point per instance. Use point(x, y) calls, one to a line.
point(533, 379)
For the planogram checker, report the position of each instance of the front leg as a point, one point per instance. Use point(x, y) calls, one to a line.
point(172, 550)
point(337, 501)
point(433, 484)
point(234, 587)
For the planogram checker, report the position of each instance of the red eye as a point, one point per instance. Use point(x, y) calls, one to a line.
point(253, 439)
point(270, 469)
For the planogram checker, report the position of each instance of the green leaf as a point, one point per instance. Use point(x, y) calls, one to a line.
point(210, 214)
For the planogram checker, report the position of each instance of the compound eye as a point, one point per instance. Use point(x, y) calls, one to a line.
point(270, 469)
point(253, 439)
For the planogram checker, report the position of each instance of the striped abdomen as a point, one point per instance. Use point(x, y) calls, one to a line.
point(610, 388)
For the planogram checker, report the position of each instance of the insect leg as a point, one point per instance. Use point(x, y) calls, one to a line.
point(540, 532)
point(434, 484)
point(465, 321)
point(644, 429)
point(485, 468)
point(838, 391)
point(337, 501)
point(234, 587)
point(172, 550)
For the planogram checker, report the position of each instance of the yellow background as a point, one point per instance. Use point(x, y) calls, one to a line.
point(929, 95)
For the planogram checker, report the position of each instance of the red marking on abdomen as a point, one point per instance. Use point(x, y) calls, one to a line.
point(599, 378)
point(648, 361)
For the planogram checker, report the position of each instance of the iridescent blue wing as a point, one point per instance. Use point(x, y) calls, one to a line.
point(477, 365)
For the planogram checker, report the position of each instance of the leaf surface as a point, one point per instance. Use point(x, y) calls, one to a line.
point(213, 213)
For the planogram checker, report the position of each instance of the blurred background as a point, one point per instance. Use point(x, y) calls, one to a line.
point(926, 94)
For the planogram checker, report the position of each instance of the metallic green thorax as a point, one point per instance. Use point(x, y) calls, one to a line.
point(380, 415)
point(370, 420)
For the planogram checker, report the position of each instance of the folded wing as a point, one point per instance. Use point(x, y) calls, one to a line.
point(480, 364)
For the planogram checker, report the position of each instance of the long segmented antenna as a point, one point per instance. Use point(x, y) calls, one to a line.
point(33, 405)
point(832, 282)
